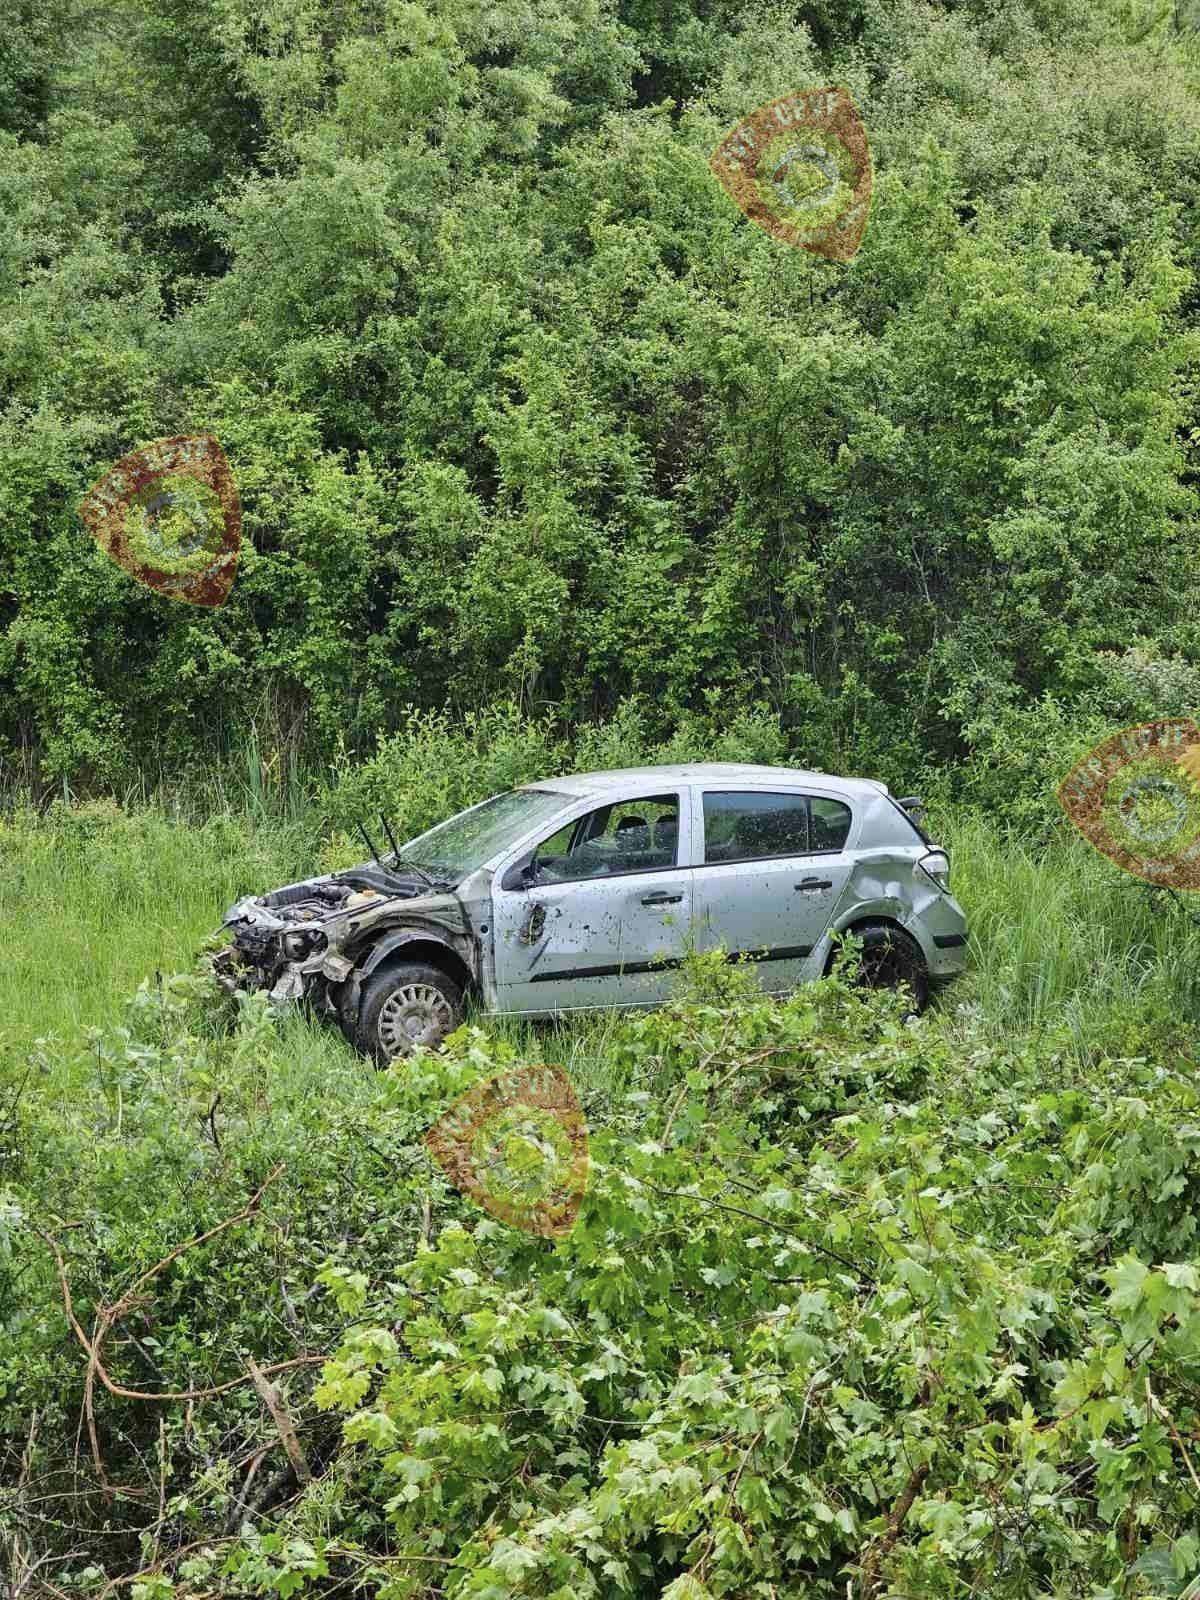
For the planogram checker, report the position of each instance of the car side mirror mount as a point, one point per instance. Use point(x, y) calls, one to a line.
point(522, 874)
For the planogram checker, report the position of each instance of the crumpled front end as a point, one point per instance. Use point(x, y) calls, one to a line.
point(314, 941)
point(289, 942)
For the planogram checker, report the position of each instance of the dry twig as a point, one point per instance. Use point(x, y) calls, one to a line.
point(281, 1417)
point(107, 1315)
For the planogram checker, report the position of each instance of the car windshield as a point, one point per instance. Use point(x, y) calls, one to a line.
point(458, 847)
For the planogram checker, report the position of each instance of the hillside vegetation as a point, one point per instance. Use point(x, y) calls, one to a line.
point(521, 407)
point(912, 1308)
point(549, 460)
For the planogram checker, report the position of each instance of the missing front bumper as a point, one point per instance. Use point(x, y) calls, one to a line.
point(287, 983)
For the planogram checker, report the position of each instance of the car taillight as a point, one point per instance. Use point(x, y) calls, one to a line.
point(936, 865)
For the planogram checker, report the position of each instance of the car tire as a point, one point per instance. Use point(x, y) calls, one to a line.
point(889, 958)
point(406, 1003)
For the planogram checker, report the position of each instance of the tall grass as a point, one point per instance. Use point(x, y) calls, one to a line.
point(95, 897)
point(1064, 942)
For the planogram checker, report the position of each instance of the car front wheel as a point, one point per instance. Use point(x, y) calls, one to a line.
point(404, 1005)
point(889, 958)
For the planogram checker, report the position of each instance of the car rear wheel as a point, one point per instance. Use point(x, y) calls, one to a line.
point(403, 1005)
point(889, 958)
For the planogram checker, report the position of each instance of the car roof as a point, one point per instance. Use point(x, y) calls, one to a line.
point(737, 772)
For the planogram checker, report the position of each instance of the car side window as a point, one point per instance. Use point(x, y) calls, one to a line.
point(748, 826)
point(627, 836)
point(829, 823)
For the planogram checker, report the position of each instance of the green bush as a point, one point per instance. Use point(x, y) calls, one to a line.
point(850, 1299)
point(1021, 750)
point(521, 408)
point(762, 1339)
point(437, 765)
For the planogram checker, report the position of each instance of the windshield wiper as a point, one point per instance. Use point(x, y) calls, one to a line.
point(367, 840)
point(391, 837)
point(403, 862)
point(428, 873)
point(398, 860)
point(418, 867)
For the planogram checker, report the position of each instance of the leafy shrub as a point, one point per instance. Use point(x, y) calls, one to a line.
point(850, 1299)
point(762, 1346)
point(1021, 750)
point(521, 408)
point(437, 765)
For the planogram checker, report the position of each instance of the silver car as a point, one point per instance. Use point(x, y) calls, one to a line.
point(587, 891)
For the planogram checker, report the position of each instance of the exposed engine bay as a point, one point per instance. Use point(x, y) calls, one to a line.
point(315, 940)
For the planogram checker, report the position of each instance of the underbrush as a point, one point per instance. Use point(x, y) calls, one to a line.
point(853, 1305)
point(836, 1310)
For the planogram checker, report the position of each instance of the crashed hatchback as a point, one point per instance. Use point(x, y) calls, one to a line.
point(587, 891)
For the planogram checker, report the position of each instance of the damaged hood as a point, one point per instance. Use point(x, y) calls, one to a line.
point(336, 894)
point(306, 939)
point(302, 921)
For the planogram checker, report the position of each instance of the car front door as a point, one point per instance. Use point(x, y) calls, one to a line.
point(771, 868)
point(603, 915)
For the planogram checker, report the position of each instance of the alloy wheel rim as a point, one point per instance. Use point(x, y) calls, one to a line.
point(413, 1014)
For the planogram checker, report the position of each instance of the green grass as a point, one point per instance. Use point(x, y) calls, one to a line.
point(1069, 956)
point(94, 898)
point(1066, 944)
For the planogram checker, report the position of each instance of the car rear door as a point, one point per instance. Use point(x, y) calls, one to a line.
point(771, 866)
point(605, 922)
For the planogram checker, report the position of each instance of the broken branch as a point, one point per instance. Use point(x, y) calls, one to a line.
point(281, 1417)
point(108, 1314)
point(882, 1546)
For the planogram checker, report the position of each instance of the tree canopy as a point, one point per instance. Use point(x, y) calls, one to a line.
point(521, 407)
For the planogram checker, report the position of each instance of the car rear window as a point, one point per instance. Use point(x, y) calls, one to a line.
point(748, 825)
point(911, 820)
point(830, 823)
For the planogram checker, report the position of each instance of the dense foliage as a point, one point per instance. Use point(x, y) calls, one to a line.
point(521, 407)
point(834, 1310)
point(549, 459)
point(909, 1307)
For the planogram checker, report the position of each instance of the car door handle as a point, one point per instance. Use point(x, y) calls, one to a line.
point(660, 898)
point(815, 883)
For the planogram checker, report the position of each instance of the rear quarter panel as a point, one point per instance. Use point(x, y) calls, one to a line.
point(887, 883)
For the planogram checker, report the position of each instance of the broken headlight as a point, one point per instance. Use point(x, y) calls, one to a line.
point(296, 946)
